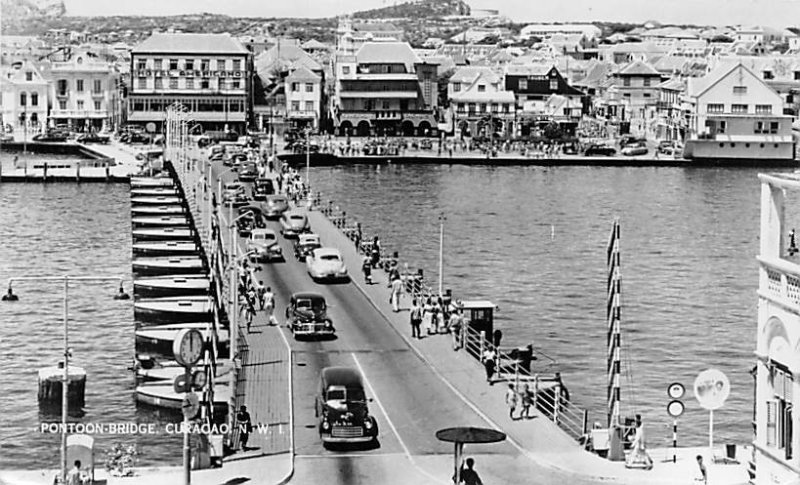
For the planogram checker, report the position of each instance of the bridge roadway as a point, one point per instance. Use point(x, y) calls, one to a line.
point(410, 401)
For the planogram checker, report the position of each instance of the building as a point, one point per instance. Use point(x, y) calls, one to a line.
point(545, 31)
point(480, 105)
point(85, 93)
point(350, 36)
point(536, 83)
point(209, 74)
point(24, 96)
point(385, 89)
point(303, 90)
point(637, 86)
point(736, 115)
point(776, 447)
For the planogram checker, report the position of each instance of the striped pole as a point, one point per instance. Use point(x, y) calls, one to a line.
point(674, 440)
point(613, 307)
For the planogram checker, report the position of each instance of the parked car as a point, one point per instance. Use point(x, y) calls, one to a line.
point(669, 147)
point(263, 243)
point(51, 137)
point(633, 150)
point(326, 264)
point(275, 205)
point(262, 188)
point(293, 224)
point(233, 159)
point(341, 407)
point(597, 149)
point(93, 138)
point(306, 316)
point(248, 171)
point(305, 244)
point(233, 195)
point(626, 140)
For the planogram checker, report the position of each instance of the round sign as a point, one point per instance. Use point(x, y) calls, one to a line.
point(199, 379)
point(150, 127)
point(711, 388)
point(179, 384)
point(188, 347)
point(675, 408)
point(676, 390)
point(190, 405)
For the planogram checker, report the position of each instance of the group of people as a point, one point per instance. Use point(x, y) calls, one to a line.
point(434, 316)
point(254, 296)
point(522, 399)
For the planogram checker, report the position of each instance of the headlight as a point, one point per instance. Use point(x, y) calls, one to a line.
point(326, 425)
point(328, 324)
point(368, 423)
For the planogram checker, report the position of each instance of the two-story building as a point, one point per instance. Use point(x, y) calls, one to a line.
point(385, 89)
point(479, 103)
point(85, 93)
point(24, 99)
point(637, 87)
point(737, 116)
point(535, 83)
point(209, 74)
point(303, 89)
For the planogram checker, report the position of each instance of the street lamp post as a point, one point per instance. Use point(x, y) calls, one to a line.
point(65, 384)
point(308, 165)
point(441, 252)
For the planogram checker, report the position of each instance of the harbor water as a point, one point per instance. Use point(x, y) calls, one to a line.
point(533, 240)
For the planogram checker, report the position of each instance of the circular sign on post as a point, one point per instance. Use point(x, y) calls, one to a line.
point(150, 127)
point(675, 408)
point(676, 390)
point(190, 405)
point(179, 384)
point(188, 347)
point(711, 388)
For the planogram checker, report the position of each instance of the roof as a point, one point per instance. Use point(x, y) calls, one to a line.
point(308, 294)
point(485, 97)
point(528, 69)
point(342, 376)
point(697, 86)
point(314, 44)
point(638, 68)
point(468, 74)
point(386, 53)
point(302, 73)
point(330, 251)
point(190, 44)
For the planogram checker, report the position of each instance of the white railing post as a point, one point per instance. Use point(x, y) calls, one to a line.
point(516, 374)
point(556, 402)
point(535, 391)
point(483, 340)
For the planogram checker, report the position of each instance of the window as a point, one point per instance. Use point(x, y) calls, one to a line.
point(768, 75)
point(141, 64)
point(345, 69)
point(204, 83)
point(759, 127)
point(28, 76)
point(295, 87)
point(626, 81)
point(646, 82)
point(483, 107)
point(646, 95)
point(740, 90)
point(23, 99)
point(236, 84)
point(626, 95)
point(189, 64)
point(495, 107)
point(505, 108)
point(62, 105)
point(62, 87)
point(79, 85)
point(481, 88)
point(98, 105)
point(386, 104)
point(774, 126)
point(461, 107)
point(309, 87)
point(553, 84)
point(80, 105)
point(204, 63)
point(310, 105)
point(34, 118)
point(723, 126)
point(237, 64)
point(797, 75)
point(142, 82)
point(157, 64)
point(471, 107)
point(739, 108)
point(220, 64)
point(715, 108)
point(189, 83)
point(173, 64)
point(295, 105)
point(34, 99)
point(173, 83)
point(763, 109)
point(456, 87)
point(159, 83)
point(523, 84)
point(97, 86)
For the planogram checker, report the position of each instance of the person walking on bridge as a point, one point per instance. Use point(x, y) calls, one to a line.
point(397, 289)
point(269, 305)
point(416, 319)
point(512, 400)
point(468, 476)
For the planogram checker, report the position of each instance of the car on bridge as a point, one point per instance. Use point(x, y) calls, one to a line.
point(263, 243)
point(341, 407)
point(305, 244)
point(293, 224)
point(233, 195)
point(248, 171)
point(307, 316)
point(262, 187)
point(275, 206)
point(326, 264)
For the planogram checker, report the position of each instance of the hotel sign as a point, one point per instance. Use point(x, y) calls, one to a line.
point(181, 73)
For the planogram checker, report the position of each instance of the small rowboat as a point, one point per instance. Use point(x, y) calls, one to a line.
point(165, 265)
point(152, 182)
point(170, 372)
point(151, 191)
point(161, 221)
point(165, 248)
point(164, 396)
point(161, 337)
point(173, 309)
point(163, 233)
point(172, 285)
point(161, 210)
point(156, 200)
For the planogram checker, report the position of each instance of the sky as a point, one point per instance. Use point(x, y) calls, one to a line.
point(776, 13)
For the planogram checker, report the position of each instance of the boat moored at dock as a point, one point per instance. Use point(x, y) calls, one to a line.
point(164, 396)
point(164, 248)
point(161, 210)
point(165, 265)
point(173, 309)
point(172, 370)
point(156, 200)
point(161, 337)
point(154, 191)
point(162, 233)
point(160, 221)
point(185, 284)
point(152, 182)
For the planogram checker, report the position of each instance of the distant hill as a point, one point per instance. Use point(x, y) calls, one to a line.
point(420, 9)
point(19, 14)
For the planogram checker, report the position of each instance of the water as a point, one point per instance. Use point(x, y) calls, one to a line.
point(51, 230)
point(533, 240)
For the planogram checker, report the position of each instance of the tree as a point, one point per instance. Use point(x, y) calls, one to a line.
point(553, 131)
point(443, 79)
point(721, 38)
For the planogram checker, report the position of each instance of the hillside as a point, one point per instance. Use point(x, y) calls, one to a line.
point(420, 9)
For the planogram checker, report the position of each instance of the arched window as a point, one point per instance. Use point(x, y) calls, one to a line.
point(23, 98)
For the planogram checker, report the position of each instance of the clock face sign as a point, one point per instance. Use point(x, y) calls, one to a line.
point(188, 347)
point(711, 389)
point(676, 390)
point(675, 408)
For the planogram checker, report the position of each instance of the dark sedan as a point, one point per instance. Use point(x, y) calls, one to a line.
point(600, 150)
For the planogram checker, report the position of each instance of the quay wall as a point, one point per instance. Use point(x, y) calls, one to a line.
point(44, 148)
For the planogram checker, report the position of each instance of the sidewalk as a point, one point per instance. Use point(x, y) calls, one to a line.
point(539, 439)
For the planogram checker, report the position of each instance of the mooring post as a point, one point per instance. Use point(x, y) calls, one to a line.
point(44, 174)
point(78, 172)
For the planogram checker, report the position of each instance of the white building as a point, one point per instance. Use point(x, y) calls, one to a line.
point(24, 95)
point(545, 31)
point(480, 104)
point(776, 453)
point(85, 93)
point(303, 90)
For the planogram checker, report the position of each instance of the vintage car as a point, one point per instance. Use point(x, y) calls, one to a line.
point(262, 188)
point(326, 264)
point(52, 136)
point(253, 220)
point(248, 171)
point(293, 224)
point(305, 244)
point(341, 407)
point(633, 150)
point(598, 149)
point(307, 315)
point(263, 244)
point(233, 194)
point(275, 205)
point(93, 138)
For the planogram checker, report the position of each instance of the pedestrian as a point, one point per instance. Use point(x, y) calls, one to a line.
point(74, 474)
point(366, 267)
point(455, 328)
point(638, 457)
point(512, 400)
point(792, 243)
point(488, 359)
point(375, 251)
point(250, 310)
point(269, 305)
point(703, 472)
point(427, 315)
point(468, 476)
point(527, 402)
point(415, 319)
point(245, 427)
point(397, 289)
point(435, 315)
point(357, 236)
point(261, 291)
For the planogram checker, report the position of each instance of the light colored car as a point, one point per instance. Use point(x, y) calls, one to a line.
point(633, 150)
point(293, 224)
point(326, 264)
point(263, 243)
point(275, 205)
point(305, 244)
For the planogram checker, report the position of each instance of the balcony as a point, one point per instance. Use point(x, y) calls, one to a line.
point(301, 114)
point(79, 113)
point(62, 94)
point(780, 281)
